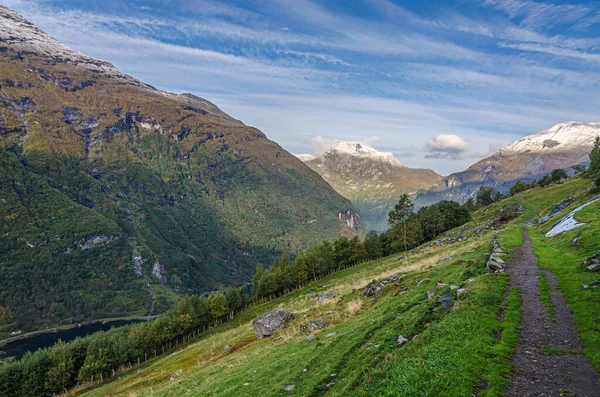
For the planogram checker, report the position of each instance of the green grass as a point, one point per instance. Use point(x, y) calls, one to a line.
point(544, 288)
point(464, 351)
point(460, 350)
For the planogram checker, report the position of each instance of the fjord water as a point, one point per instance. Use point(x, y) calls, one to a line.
point(18, 348)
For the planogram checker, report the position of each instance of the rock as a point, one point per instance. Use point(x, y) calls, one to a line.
point(497, 259)
point(446, 259)
point(331, 383)
point(576, 240)
point(430, 294)
point(459, 292)
point(321, 297)
point(454, 287)
point(227, 347)
point(446, 299)
point(310, 338)
point(401, 340)
point(271, 322)
point(246, 384)
point(289, 387)
point(594, 268)
point(313, 325)
point(426, 325)
point(494, 266)
point(593, 263)
point(332, 334)
point(422, 281)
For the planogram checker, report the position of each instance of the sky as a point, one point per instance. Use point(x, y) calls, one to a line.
point(440, 83)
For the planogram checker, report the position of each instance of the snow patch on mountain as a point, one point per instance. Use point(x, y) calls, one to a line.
point(305, 157)
point(564, 137)
point(362, 150)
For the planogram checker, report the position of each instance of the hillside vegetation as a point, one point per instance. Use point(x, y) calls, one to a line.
point(464, 350)
point(117, 198)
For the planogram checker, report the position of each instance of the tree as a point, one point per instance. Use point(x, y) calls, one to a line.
point(61, 368)
point(409, 236)
point(217, 304)
point(558, 174)
point(593, 171)
point(372, 244)
point(398, 216)
point(469, 205)
point(518, 187)
point(357, 251)
point(257, 280)
point(341, 251)
point(234, 301)
point(432, 221)
point(487, 195)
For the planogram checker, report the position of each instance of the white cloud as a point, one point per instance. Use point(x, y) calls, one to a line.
point(446, 146)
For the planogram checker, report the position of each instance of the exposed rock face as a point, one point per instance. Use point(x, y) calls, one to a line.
point(352, 219)
point(271, 322)
point(158, 273)
point(372, 180)
point(561, 146)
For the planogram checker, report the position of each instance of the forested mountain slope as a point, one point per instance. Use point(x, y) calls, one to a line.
point(115, 197)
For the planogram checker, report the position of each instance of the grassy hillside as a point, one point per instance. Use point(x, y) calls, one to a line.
point(461, 351)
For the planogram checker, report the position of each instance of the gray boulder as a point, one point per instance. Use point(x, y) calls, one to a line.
point(313, 325)
point(271, 322)
point(401, 340)
point(321, 297)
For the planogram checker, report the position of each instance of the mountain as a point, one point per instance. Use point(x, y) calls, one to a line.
point(117, 197)
point(562, 146)
point(372, 180)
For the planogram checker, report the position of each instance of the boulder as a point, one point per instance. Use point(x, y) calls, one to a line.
point(271, 322)
point(313, 325)
point(310, 338)
point(446, 259)
point(446, 299)
point(227, 347)
point(289, 387)
point(321, 297)
point(401, 340)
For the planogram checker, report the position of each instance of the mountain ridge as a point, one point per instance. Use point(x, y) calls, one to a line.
point(371, 179)
point(563, 145)
point(114, 191)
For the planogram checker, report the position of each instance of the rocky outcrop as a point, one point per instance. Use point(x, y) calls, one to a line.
point(321, 297)
point(377, 287)
point(313, 325)
point(158, 273)
point(352, 219)
point(593, 263)
point(271, 322)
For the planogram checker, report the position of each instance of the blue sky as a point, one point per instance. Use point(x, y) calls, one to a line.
point(439, 83)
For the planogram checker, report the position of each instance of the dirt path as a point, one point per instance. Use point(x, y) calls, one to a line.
point(538, 373)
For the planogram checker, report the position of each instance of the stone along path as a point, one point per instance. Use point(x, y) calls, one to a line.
point(538, 373)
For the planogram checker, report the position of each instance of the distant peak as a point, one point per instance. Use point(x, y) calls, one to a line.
point(358, 149)
point(305, 157)
point(559, 138)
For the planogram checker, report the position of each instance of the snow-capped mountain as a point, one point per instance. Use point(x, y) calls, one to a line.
point(562, 146)
point(371, 179)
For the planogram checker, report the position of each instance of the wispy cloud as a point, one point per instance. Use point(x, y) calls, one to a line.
point(299, 69)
